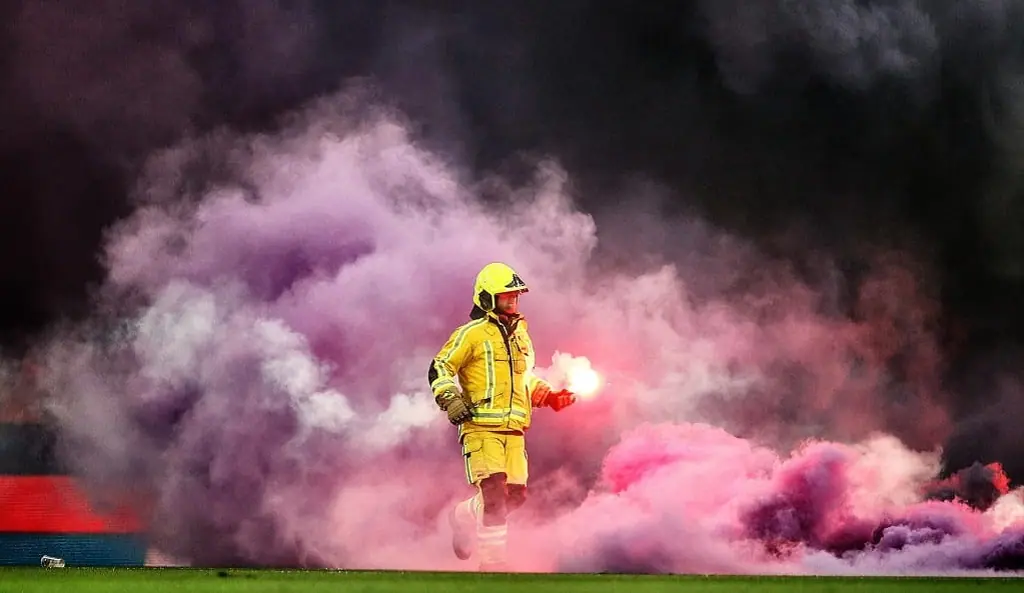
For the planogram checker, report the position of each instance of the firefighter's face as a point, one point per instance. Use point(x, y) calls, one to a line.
point(508, 302)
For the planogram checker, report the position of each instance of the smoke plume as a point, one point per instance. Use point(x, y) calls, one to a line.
point(785, 234)
point(860, 142)
point(254, 380)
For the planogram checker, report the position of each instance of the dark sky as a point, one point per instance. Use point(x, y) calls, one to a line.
point(849, 123)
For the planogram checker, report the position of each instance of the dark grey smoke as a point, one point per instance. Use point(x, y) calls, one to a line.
point(856, 45)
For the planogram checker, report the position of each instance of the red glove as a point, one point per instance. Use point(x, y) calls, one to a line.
point(556, 400)
point(561, 399)
point(540, 394)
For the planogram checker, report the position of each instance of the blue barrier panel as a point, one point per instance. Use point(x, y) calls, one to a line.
point(88, 549)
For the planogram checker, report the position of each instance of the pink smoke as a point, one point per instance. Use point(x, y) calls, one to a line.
point(256, 376)
point(694, 499)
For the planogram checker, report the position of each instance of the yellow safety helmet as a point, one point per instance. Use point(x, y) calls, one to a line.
point(494, 279)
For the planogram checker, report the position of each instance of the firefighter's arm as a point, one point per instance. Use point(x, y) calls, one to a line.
point(537, 388)
point(542, 396)
point(444, 369)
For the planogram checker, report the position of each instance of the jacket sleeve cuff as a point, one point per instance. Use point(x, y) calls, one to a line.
point(442, 385)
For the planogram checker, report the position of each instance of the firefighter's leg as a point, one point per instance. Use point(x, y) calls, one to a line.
point(486, 468)
point(492, 528)
point(484, 457)
point(517, 462)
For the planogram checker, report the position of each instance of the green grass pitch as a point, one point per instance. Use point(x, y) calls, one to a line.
point(160, 580)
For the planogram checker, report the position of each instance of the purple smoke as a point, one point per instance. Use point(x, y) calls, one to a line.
point(255, 381)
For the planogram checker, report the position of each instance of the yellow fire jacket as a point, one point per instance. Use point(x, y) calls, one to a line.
point(494, 367)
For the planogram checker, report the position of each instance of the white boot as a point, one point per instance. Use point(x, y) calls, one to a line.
point(493, 543)
point(463, 520)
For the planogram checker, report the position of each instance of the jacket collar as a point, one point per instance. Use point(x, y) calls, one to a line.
point(507, 323)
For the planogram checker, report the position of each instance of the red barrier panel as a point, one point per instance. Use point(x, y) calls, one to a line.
point(55, 504)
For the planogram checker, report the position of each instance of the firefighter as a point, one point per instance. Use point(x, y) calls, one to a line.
point(483, 379)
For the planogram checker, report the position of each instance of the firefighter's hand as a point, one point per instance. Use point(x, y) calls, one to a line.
point(561, 399)
point(455, 406)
